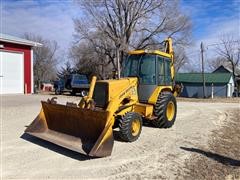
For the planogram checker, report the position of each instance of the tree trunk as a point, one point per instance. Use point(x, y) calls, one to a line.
point(103, 72)
point(118, 62)
point(39, 85)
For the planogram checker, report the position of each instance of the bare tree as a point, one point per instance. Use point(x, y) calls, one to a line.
point(65, 70)
point(215, 62)
point(229, 50)
point(116, 26)
point(44, 59)
point(180, 58)
point(88, 60)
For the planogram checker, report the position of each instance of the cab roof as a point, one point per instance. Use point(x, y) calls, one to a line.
point(147, 51)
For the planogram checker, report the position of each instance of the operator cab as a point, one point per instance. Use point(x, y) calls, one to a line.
point(152, 70)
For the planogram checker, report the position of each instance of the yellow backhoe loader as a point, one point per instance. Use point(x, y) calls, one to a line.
point(145, 90)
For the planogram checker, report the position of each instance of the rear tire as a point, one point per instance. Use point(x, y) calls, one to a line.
point(57, 92)
point(165, 110)
point(130, 127)
point(73, 92)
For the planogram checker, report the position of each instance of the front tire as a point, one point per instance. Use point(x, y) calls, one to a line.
point(130, 127)
point(165, 110)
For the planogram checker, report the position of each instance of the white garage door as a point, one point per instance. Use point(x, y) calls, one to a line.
point(11, 73)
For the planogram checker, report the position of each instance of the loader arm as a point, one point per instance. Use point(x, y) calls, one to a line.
point(102, 144)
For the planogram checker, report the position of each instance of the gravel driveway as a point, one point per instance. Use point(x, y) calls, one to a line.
point(156, 154)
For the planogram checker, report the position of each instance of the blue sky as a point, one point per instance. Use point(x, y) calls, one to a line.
point(208, 15)
point(211, 19)
point(53, 19)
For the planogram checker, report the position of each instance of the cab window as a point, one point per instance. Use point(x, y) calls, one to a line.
point(147, 73)
point(131, 66)
point(164, 71)
point(168, 78)
point(161, 77)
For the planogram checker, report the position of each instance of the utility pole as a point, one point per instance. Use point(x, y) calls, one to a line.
point(203, 75)
point(212, 90)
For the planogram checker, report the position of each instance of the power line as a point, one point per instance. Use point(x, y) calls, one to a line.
point(195, 52)
point(215, 44)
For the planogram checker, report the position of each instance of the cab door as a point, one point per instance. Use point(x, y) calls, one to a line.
point(147, 77)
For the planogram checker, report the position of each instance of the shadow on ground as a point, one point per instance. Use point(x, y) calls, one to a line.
point(219, 158)
point(56, 148)
point(67, 152)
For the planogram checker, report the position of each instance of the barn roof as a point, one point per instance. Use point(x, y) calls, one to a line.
point(17, 40)
point(197, 77)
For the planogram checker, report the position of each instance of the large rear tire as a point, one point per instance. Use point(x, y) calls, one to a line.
point(130, 127)
point(165, 110)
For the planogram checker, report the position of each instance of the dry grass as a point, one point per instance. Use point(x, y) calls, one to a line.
point(222, 159)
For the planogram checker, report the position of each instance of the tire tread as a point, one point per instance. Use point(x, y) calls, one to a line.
point(160, 110)
point(125, 124)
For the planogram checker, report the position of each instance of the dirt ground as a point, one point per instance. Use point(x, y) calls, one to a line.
point(221, 159)
point(157, 154)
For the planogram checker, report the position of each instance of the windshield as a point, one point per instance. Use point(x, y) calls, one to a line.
point(141, 66)
point(131, 65)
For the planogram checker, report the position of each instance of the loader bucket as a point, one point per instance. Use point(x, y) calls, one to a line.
point(82, 130)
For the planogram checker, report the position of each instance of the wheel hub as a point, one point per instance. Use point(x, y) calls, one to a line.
point(135, 127)
point(170, 111)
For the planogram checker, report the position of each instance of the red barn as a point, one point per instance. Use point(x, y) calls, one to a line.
point(16, 65)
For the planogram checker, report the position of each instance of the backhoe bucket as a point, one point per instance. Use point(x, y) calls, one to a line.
point(82, 130)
